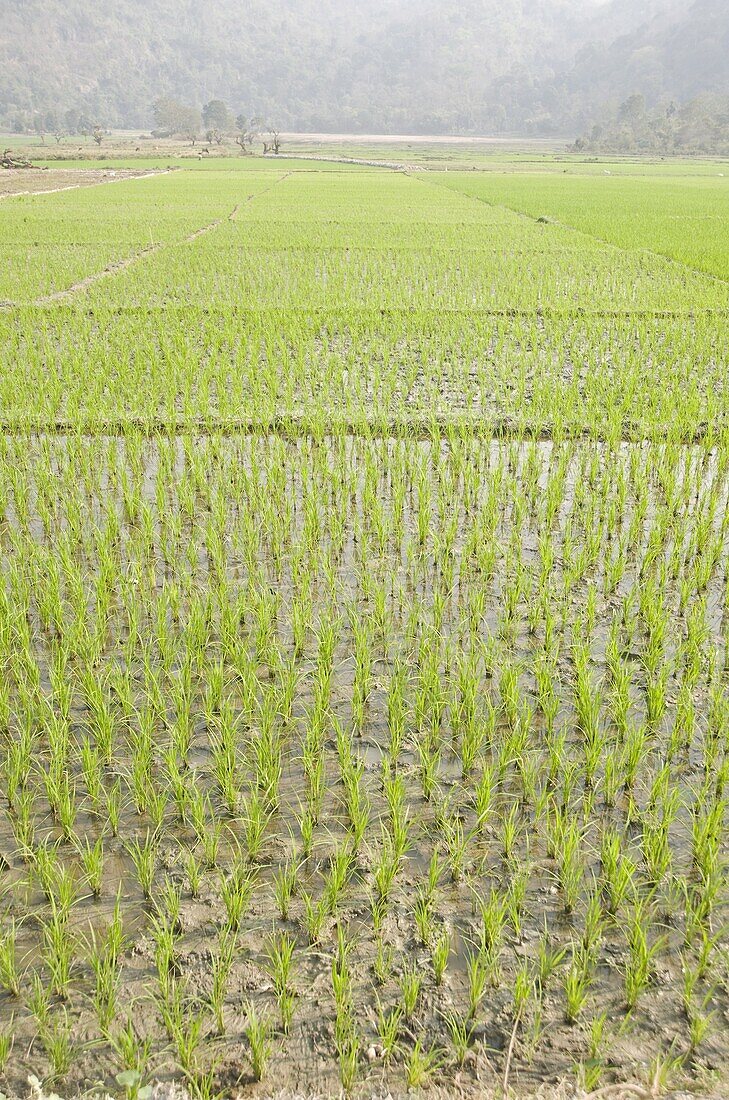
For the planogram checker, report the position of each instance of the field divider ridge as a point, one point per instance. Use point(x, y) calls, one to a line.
point(111, 269)
point(292, 425)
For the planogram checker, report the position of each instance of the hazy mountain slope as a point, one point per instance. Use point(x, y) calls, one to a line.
point(680, 51)
point(377, 64)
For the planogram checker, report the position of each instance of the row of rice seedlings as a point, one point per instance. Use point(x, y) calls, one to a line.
point(374, 371)
point(449, 697)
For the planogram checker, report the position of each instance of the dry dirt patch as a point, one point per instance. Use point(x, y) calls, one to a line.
point(30, 181)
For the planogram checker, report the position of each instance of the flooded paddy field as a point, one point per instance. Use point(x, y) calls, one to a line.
point(363, 626)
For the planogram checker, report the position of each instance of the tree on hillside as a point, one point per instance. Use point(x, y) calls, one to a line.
point(699, 126)
point(633, 109)
point(216, 118)
point(72, 119)
point(175, 119)
point(85, 126)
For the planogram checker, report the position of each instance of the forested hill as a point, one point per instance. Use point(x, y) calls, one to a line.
point(542, 66)
point(680, 52)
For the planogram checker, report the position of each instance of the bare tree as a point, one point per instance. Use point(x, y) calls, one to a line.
point(98, 135)
point(248, 130)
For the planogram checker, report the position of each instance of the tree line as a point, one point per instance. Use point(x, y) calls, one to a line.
point(215, 122)
point(700, 125)
point(58, 124)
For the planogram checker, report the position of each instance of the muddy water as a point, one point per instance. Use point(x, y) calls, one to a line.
point(439, 554)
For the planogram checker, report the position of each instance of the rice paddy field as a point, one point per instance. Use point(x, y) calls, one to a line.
point(364, 563)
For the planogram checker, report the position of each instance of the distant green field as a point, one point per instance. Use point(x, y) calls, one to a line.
point(364, 632)
point(684, 216)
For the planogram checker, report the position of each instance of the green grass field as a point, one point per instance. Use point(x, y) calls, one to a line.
point(363, 624)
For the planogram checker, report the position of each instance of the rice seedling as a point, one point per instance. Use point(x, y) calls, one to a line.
point(7, 1042)
point(384, 960)
point(388, 1028)
point(279, 956)
point(285, 884)
point(220, 973)
point(410, 987)
point(59, 1044)
point(348, 1050)
point(577, 984)
point(131, 1050)
point(421, 1063)
point(10, 977)
point(640, 964)
point(439, 955)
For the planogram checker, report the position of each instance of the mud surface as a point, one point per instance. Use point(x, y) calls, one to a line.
point(226, 657)
point(36, 181)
